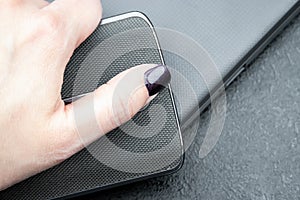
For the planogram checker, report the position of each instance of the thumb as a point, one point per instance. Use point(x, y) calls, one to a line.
point(112, 104)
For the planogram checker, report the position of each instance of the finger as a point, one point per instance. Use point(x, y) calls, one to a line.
point(13, 4)
point(57, 30)
point(35, 3)
point(110, 105)
point(80, 18)
point(39, 3)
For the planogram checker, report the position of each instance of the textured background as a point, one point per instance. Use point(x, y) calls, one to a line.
point(258, 154)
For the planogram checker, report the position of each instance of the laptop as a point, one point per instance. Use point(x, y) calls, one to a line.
point(231, 32)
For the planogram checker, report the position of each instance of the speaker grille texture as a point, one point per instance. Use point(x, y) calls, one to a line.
point(83, 172)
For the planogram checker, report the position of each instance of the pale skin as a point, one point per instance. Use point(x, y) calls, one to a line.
point(37, 130)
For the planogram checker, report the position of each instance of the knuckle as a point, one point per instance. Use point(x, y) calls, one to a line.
point(45, 27)
point(50, 23)
point(125, 109)
point(11, 4)
point(129, 108)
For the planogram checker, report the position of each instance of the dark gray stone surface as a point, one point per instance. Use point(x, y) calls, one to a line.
point(258, 154)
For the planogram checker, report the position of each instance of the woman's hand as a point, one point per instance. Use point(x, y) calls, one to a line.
point(37, 130)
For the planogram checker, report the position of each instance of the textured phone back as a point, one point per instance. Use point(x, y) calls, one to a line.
point(83, 172)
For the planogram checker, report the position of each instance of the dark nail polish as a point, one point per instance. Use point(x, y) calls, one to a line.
point(156, 79)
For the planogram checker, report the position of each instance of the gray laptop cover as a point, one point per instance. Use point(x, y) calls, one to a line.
point(226, 29)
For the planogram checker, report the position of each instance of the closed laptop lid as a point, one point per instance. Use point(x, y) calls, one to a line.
point(227, 30)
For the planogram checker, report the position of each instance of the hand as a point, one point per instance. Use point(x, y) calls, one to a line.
point(37, 130)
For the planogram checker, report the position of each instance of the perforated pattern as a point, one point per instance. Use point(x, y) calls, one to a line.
point(82, 171)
